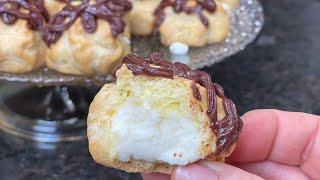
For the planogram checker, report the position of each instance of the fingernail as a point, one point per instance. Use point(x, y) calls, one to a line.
point(215, 166)
point(194, 172)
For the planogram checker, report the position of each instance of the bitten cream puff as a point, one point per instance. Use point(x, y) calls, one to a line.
point(21, 47)
point(158, 115)
point(88, 37)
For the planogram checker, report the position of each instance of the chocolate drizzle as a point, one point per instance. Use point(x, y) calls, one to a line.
point(35, 14)
point(109, 10)
point(182, 6)
point(226, 129)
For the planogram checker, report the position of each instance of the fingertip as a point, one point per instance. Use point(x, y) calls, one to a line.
point(263, 114)
point(257, 136)
point(155, 176)
point(273, 134)
point(193, 171)
point(228, 172)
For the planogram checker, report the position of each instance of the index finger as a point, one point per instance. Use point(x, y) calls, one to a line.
point(284, 137)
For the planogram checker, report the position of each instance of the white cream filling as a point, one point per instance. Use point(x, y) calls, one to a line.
point(140, 132)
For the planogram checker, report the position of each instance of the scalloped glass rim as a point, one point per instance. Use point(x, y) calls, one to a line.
point(246, 23)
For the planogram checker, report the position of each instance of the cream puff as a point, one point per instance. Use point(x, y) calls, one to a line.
point(54, 6)
point(141, 16)
point(158, 115)
point(88, 37)
point(232, 4)
point(192, 22)
point(21, 47)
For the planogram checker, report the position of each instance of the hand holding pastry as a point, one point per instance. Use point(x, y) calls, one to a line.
point(158, 115)
point(273, 145)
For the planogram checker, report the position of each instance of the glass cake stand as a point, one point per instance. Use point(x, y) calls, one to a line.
point(46, 106)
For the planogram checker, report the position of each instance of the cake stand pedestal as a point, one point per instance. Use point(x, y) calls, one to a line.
point(38, 106)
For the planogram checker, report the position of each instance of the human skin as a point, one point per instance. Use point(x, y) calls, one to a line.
point(273, 145)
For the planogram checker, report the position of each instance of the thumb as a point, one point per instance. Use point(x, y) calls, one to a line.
point(213, 171)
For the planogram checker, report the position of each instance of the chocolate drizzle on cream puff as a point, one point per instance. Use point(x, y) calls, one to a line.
point(33, 11)
point(183, 6)
point(110, 10)
point(226, 129)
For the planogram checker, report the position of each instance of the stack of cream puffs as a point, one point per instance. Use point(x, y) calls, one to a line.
point(88, 37)
point(81, 37)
